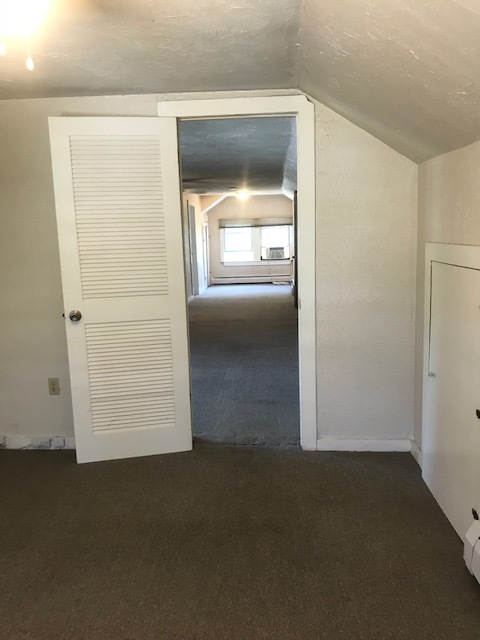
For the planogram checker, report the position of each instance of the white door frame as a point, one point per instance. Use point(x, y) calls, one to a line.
point(452, 254)
point(466, 256)
point(304, 111)
point(206, 256)
point(192, 237)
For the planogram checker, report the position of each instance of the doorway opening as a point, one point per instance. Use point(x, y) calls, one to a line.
point(239, 184)
point(303, 111)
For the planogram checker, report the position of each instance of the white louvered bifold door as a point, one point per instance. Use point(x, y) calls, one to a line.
point(117, 196)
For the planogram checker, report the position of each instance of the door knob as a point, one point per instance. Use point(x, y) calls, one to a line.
point(75, 315)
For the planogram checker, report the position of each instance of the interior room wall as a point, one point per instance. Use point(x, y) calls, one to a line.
point(366, 246)
point(262, 206)
point(366, 210)
point(448, 212)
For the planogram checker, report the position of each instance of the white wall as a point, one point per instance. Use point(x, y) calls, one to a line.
point(366, 237)
point(199, 220)
point(263, 206)
point(448, 212)
point(366, 209)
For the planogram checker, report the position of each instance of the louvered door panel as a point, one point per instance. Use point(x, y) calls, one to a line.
point(130, 368)
point(119, 215)
point(119, 220)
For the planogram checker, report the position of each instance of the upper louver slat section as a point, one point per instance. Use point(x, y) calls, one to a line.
point(119, 216)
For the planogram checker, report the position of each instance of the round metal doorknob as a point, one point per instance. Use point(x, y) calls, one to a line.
point(75, 315)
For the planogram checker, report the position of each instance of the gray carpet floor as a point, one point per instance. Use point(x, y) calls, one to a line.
point(244, 364)
point(238, 543)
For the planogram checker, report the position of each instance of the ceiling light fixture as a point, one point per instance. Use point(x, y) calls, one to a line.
point(19, 19)
point(243, 194)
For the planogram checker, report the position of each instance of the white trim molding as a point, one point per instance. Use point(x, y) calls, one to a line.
point(287, 278)
point(416, 453)
point(362, 444)
point(38, 442)
point(304, 111)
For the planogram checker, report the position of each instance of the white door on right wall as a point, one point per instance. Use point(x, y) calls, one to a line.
point(451, 441)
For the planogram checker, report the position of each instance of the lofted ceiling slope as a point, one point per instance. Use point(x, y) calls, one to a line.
point(405, 70)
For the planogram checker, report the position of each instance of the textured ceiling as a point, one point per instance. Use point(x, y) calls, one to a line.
point(101, 47)
point(405, 70)
point(224, 155)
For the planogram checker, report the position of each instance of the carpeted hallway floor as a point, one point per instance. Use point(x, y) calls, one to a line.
point(244, 364)
point(237, 543)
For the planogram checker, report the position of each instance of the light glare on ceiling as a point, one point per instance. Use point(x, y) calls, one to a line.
point(20, 18)
point(244, 194)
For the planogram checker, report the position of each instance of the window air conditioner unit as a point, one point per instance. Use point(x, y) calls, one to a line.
point(275, 253)
point(472, 550)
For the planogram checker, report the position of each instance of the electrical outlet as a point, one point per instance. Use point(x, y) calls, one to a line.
point(54, 386)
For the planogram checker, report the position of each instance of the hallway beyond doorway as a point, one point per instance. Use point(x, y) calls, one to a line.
point(244, 364)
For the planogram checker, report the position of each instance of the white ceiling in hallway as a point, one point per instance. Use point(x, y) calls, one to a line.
point(405, 70)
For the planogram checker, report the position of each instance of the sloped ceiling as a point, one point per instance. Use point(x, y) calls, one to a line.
point(405, 70)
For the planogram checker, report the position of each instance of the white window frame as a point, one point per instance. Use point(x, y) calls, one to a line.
point(304, 112)
point(256, 248)
point(289, 244)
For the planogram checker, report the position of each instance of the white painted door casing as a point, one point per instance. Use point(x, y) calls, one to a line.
point(118, 206)
point(304, 111)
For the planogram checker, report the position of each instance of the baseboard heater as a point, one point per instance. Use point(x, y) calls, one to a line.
point(252, 279)
point(472, 550)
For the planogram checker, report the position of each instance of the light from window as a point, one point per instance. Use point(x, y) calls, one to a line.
point(275, 242)
point(238, 245)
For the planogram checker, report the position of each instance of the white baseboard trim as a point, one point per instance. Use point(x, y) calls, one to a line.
point(252, 279)
point(39, 442)
point(202, 290)
point(362, 444)
point(190, 298)
point(416, 453)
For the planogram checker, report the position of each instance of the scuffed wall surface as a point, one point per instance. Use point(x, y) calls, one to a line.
point(448, 212)
point(366, 236)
